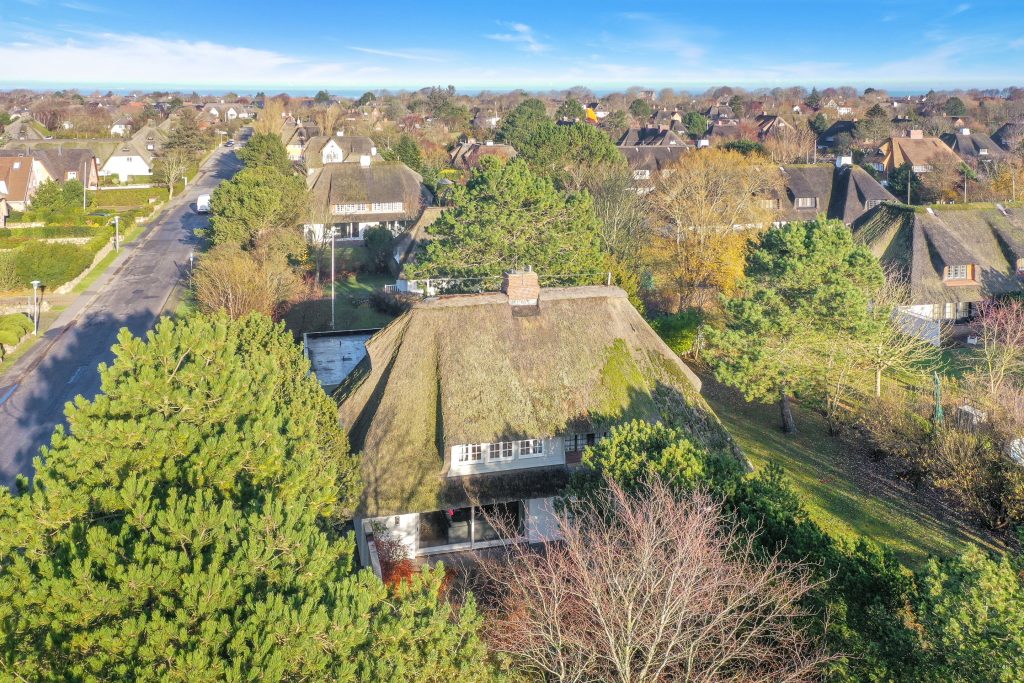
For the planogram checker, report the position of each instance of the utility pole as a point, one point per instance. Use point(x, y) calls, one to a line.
point(333, 233)
point(35, 308)
point(117, 234)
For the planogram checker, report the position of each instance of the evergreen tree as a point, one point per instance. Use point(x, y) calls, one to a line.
point(570, 110)
point(187, 526)
point(813, 100)
point(257, 205)
point(641, 109)
point(507, 217)
point(265, 149)
point(696, 124)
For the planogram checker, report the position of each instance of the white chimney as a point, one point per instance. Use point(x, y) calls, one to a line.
point(373, 151)
point(364, 160)
point(340, 133)
point(965, 131)
point(844, 160)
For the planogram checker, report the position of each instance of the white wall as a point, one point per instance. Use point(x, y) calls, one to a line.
point(125, 166)
point(541, 525)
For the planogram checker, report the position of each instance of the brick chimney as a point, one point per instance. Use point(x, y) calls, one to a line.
point(522, 287)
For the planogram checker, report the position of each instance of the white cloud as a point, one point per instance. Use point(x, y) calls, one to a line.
point(523, 35)
point(412, 56)
point(959, 9)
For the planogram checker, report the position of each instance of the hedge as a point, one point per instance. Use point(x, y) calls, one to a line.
point(132, 197)
point(55, 264)
point(19, 322)
point(50, 232)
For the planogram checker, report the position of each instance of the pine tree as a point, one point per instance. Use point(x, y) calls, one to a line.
point(188, 526)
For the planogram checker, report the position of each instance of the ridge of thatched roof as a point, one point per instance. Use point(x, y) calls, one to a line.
point(382, 182)
point(921, 244)
point(464, 369)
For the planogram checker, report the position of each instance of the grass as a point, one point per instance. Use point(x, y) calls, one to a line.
point(352, 310)
point(843, 491)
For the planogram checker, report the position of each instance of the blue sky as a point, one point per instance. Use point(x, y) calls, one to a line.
point(345, 45)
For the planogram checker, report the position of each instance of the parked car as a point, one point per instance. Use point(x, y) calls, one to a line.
point(203, 203)
point(229, 143)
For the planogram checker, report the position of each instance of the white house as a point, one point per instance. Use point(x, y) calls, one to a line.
point(128, 160)
point(121, 127)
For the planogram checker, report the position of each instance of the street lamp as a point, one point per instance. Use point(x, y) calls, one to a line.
point(334, 232)
point(191, 259)
point(35, 307)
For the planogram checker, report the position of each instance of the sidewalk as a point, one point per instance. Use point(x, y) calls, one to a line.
point(69, 316)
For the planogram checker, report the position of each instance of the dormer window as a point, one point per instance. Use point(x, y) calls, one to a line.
point(806, 202)
point(983, 151)
point(960, 272)
point(871, 203)
point(768, 203)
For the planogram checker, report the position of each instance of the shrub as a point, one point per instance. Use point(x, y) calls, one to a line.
point(390, 304)
point(51, 232)
point(380, 244)
point(8, 273)
point(53, 264)
point(19, 322)
point(679, 331)
point(9, 337)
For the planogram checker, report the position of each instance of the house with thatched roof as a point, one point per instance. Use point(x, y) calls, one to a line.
point(975, 148)
point(467, 154)
point(352, 198)
point(922, 153)
point(339, 148)
point(842, 191)
point(953, 258)
point(473, 406)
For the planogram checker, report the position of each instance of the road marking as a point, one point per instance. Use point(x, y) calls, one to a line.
point(3, 399)
point(78, 371)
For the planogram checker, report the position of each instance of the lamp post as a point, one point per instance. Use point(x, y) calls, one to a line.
point(35, 307)
point(117, 234)
point(334, 232)
point(191, 262)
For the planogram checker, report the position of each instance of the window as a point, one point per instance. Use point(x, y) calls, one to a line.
point(386, 207)
point(806, 202)
point(16, 165)
point(769, 203)
point(872, 203)
point(922, 168)
point(642, 174)
point(72, 175)
point(469, 526)
point(983, 151)
point(531, 448)
point(349, 208)
point(957, 273)
point(472, 453)
point(497, 452)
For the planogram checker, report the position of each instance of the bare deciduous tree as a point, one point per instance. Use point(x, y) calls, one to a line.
point(171, 167)
point(1000, 330)
point(270, 118)
point(241, 282)
point(660, 589)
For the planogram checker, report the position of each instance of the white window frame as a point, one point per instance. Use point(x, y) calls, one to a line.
point(501, 451)
point(957, 272)
point(806, 202)
point(72, 175)
point(470, 454)
point(530, 448)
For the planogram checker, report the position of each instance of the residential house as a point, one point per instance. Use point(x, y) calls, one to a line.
point(650, 152)
point(976, 149)
point(224, 112)
point(828, 137)
point(486, 119)
point(1010, 136)
point(770, 124)
point(61, 164)
point(952, 258)
point(18, 182)
point(922, 153)
point(462, 414)
point(354, 197)
point(121, 126)
point(151, 138)
point(338, 149)
point(129, 159)
point(841, 191)
point(466, 155)
point(721, 112)
point(296, 135)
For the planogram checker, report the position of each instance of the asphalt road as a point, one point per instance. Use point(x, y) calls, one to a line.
point(131, 294)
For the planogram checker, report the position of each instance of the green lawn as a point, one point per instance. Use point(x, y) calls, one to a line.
point(352, 310)
point(843, 491)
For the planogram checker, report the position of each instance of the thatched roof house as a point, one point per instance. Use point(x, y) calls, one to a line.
point(844, 192)
point(450, 391)
point(953, 257)
point(353, 197)
point(467, 155)
point(922, 153)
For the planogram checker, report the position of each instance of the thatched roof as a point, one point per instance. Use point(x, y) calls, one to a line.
point(922, 243)
point(466, 369)
point(845, 193)
point(382, 182)
point(973, 146)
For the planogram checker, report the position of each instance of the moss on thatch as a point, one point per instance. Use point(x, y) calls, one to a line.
point(464, 369)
